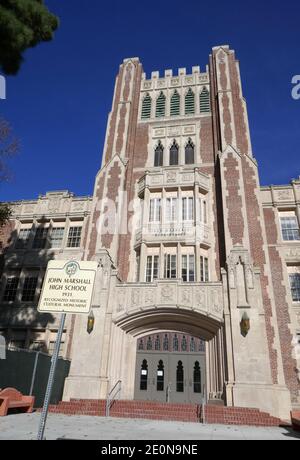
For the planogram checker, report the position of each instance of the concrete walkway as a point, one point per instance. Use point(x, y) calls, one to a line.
point(25, 426)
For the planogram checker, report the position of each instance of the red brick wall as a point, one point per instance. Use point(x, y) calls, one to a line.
point(282, 309)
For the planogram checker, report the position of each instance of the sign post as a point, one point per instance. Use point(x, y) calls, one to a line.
point(67, 288)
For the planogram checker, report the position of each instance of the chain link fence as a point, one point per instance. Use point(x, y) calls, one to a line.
point(28, 371)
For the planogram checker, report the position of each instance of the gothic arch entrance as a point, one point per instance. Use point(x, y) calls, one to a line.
point(170, 367)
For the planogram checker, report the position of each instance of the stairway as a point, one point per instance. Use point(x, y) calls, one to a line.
point(166, 411)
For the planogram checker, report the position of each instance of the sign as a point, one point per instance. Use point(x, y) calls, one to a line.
point(68, 287)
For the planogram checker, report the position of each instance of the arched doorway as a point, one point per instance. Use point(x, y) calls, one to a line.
point(170, 367)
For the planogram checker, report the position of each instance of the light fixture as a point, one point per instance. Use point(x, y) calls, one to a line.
point(90, 322)
point(245, 324)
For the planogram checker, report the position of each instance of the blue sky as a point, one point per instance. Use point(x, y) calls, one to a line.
point(59, 102)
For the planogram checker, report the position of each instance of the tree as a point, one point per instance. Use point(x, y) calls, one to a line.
point(9, 146)
point(23, 24)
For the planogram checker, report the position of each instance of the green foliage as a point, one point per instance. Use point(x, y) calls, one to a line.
point(5, 213)
point(23, 24)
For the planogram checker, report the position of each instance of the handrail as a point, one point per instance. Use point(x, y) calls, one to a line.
point(110, 399)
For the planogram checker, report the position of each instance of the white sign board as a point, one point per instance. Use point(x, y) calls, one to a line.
point(68, 287)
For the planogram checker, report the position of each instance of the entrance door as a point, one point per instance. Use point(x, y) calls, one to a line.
point(173, 374)
point(151, 378)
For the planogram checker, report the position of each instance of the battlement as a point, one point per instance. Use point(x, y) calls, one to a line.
point(170, 79)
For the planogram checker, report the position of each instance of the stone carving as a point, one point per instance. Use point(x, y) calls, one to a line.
point(29, 208)
point(54, 205)
point(171, 176)
point(174, 81)
point(174, 131)
point(293, 253)
point(215, 302)
point(249, 278)
point(121, 300)
point(188, 177)
point(189, 129)
point(231, 278)
point(186, 296)
point(167, 293)
point(161, 83)
point(159, 132)
point(203, 78)
point(135, 298)
point(78, 206)
point(284, 195)
point(189, 80)
point(147, 84)
point(200, 297)
point(149, 296)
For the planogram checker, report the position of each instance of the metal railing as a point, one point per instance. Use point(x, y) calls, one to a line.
point(112, 396)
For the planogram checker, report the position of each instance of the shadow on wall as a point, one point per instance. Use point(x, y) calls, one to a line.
point(20, 314)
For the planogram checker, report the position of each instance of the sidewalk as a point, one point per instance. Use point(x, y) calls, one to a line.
point(25, 426)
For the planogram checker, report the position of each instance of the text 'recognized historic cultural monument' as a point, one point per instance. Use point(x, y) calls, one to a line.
point(198, 286)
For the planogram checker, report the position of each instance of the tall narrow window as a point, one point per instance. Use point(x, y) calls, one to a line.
point(155, 210)
point(188, 208)
point(56, 237)
point(204, 211)
point(159, 155)
point(295, 286)
point(174, 154)
point(189, 102)
point(171, 209)
point(204, 272)
point(151, 269)
point(141, 344)
point(146, 107)
point(144, 376)
point(29, 288)
point(175, 343)
point(188, 267)
point(23, 238)
point(197, 378)
point(180, 378)
point(74, 237)
point(170, 266)
point(184, 344)
point(40, 238)
point(175, 104)
point(160, 376)
point(157, 343)
point(189, 153)
point(149, 343)
point(290, 228)
point(192, 345)
point(166, 343)
point(204, 101)
point(160, 105)
point(11, 289)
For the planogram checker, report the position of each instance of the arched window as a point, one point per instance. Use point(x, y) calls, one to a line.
point(189, 102)
point(144, 375)
point(202, 346)
point(149, 343)
point(157, 343)
point(180, 377)
point(174, 153)
point(197, 378)
point(160, 376)
point(160, 105)
point(189, 153)
point(166, 343)
point(141, 344)
point(192, 345)
point(159, 155)
point(175, 343)
point(175, 104)
point(204, 101)
point(146, 107)
point(183, 344)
